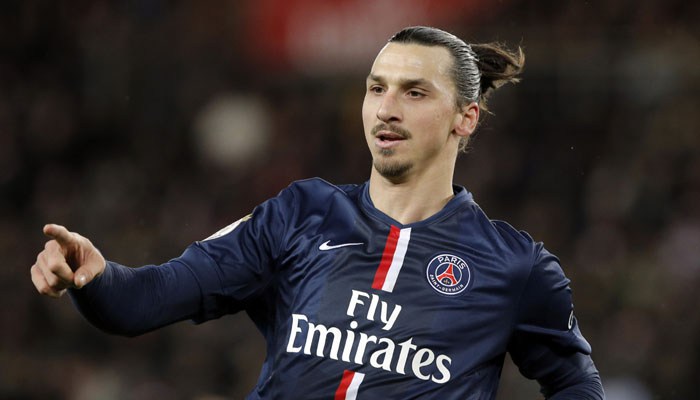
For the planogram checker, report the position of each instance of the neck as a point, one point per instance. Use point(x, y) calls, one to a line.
point(412, 198)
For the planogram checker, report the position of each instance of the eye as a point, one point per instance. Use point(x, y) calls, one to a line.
point(376, 89)
point(415, 94)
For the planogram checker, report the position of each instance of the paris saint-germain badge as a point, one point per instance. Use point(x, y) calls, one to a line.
point(448, 274)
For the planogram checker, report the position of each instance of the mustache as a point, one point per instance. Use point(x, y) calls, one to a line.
point(391, 128)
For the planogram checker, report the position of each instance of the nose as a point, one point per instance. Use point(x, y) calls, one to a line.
point(389, 108)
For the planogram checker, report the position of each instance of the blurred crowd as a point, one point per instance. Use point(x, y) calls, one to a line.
point(148, 125)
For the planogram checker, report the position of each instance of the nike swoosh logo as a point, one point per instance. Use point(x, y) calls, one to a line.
point(325, 246)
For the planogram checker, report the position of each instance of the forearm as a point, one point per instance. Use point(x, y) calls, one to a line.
point(562, 374)
point(133, 301)
point(589, 389)
point(572, 377)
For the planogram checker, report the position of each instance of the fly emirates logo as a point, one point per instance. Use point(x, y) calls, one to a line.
point(351, 346)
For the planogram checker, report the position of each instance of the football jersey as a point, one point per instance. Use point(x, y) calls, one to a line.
point(355, 305)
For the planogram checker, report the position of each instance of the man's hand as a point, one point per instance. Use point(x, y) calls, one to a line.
point(67, 261)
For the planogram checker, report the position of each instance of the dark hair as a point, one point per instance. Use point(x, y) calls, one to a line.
point(477, 70)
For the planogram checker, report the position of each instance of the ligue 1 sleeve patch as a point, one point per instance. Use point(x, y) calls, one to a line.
point(229, 228)
point(448, 274)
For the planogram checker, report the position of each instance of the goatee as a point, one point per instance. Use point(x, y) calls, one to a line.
point(384, 165)
point(391, 169)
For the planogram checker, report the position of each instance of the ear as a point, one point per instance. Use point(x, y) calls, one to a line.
point(467, 120)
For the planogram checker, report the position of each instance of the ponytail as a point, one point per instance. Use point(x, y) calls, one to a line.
point(478, 69)
point(497, 66)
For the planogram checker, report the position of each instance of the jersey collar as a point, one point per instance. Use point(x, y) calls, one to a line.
point(462, 197)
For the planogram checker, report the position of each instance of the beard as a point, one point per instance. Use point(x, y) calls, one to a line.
point(391, 169)
point(383, 163)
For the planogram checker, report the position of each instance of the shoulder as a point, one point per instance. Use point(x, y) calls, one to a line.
point(525, 259)
point(320, 187)
point(504, 238)
point(313, 196)
point(517, 239)
point(520, 241)
point(545, 278)
point(316, 192)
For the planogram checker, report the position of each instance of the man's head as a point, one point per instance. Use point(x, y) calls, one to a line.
point(423, 97)
point(464, 70)
point(411, 121)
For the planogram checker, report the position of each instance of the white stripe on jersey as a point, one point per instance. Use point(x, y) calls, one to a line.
point(357, 378)
point(397, 260)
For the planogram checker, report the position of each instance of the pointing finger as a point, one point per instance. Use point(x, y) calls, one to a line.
point(60, 234)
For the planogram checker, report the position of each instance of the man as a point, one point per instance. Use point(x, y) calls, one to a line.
point(399, 288)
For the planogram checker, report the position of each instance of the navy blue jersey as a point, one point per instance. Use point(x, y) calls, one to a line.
point(353, 304)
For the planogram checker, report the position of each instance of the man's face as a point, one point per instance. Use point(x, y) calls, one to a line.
point(409, 112)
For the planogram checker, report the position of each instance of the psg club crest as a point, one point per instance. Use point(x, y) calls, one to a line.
point(448, 274)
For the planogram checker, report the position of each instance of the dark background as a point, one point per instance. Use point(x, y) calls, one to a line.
point(146, 125)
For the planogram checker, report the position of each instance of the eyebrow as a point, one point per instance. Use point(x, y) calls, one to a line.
point(405, 83)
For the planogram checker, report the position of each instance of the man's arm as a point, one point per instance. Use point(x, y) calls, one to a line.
point(547, 344)
point(132, 301)
point(214, 277)
point(561, 375)
point(114, 298)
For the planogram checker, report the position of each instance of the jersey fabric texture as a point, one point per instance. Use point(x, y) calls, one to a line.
point(355, 305)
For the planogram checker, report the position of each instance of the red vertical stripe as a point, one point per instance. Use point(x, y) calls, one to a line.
point(387, 257)
point(344, 385)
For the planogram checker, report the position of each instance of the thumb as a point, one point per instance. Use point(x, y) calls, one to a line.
point(60, 234)
point(86, 273)
point(80, 278)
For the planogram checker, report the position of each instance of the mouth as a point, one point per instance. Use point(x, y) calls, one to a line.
point(389, 136)
point(387, 139)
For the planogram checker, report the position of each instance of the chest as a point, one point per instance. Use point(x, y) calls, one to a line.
point(426, 284)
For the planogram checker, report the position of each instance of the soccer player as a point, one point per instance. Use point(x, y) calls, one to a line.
point(397, 288)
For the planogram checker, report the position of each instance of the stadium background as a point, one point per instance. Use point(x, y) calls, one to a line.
point(147, 125)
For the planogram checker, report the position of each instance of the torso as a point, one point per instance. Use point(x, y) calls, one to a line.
point(423, 310)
